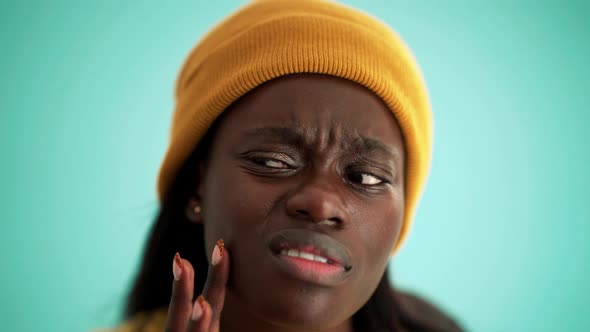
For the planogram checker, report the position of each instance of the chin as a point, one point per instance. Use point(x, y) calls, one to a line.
point(296, 306)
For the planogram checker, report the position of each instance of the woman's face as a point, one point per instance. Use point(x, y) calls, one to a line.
point(305, 165)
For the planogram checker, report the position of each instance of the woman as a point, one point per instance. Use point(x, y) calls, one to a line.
point(299, 148)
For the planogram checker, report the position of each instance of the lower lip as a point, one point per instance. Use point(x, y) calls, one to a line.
point(311, 271)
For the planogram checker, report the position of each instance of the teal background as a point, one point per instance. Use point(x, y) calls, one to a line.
point(501, 237)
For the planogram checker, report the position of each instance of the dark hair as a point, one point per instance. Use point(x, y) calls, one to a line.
point(172, 232)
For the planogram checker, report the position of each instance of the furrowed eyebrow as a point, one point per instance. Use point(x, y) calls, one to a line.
point(365, 144)
point(286, 134)
point(292, 136)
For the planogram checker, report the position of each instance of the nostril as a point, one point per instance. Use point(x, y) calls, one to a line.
point(333, 221)
point(302, 212)
point(336, 220)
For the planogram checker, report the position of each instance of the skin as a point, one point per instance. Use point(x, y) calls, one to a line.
point(324, 180)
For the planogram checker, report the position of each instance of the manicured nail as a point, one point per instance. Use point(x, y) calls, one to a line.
point(177, 267)
point(217, 252)
point(198, 308)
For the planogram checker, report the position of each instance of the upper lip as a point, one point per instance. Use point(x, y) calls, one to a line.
point(320, 244)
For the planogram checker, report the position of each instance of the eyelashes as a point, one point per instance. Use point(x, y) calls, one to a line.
point(282, 164)
point(271, 163)
point(367, 179)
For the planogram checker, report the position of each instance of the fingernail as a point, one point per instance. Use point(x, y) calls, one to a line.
point(177, 267)
point(217, 252)
point(198, 308)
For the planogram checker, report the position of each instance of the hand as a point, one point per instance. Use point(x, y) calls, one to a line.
point(202, 315)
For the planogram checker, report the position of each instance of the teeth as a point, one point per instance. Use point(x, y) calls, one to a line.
point(305, 255)
point(320, 259)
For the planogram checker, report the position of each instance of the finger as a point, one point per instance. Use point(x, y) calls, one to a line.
point(214, 290)
point(201, 317)
point(179, 309)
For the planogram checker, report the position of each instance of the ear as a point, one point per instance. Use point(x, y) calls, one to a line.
point(194, 206)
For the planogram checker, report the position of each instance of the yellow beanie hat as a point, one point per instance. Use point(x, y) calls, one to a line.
point(271, 38)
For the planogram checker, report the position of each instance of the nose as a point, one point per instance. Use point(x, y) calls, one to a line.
point(318, 201)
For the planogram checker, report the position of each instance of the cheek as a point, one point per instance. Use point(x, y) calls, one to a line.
point(235, 206)
point(385, 230)
point(379, 232)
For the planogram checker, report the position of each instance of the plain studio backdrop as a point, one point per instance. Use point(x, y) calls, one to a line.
point(501, 235)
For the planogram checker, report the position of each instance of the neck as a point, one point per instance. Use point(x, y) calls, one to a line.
point(237, 317)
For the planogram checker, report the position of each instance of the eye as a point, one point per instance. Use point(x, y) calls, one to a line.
point(370, 179)
point(271, 160)
point(366, 179)
point(271, 163)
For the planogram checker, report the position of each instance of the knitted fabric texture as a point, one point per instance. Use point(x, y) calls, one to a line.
point(267, 39)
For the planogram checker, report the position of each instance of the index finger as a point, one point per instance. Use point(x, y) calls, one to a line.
point(214, 290)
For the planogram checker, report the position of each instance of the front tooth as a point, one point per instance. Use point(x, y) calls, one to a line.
point(320, 259)
point(306, 255)
point(293, 253)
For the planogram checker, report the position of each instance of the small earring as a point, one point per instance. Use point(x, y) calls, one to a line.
point(197, 209)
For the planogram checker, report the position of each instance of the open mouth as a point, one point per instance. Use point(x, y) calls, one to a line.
point(310, 256)
point(307, 255)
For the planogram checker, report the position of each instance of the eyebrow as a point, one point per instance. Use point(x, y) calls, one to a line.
point(292, 136)
point(365, 144)
point(286, 134)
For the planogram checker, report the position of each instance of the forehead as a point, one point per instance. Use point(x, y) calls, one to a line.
point(317, 107)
